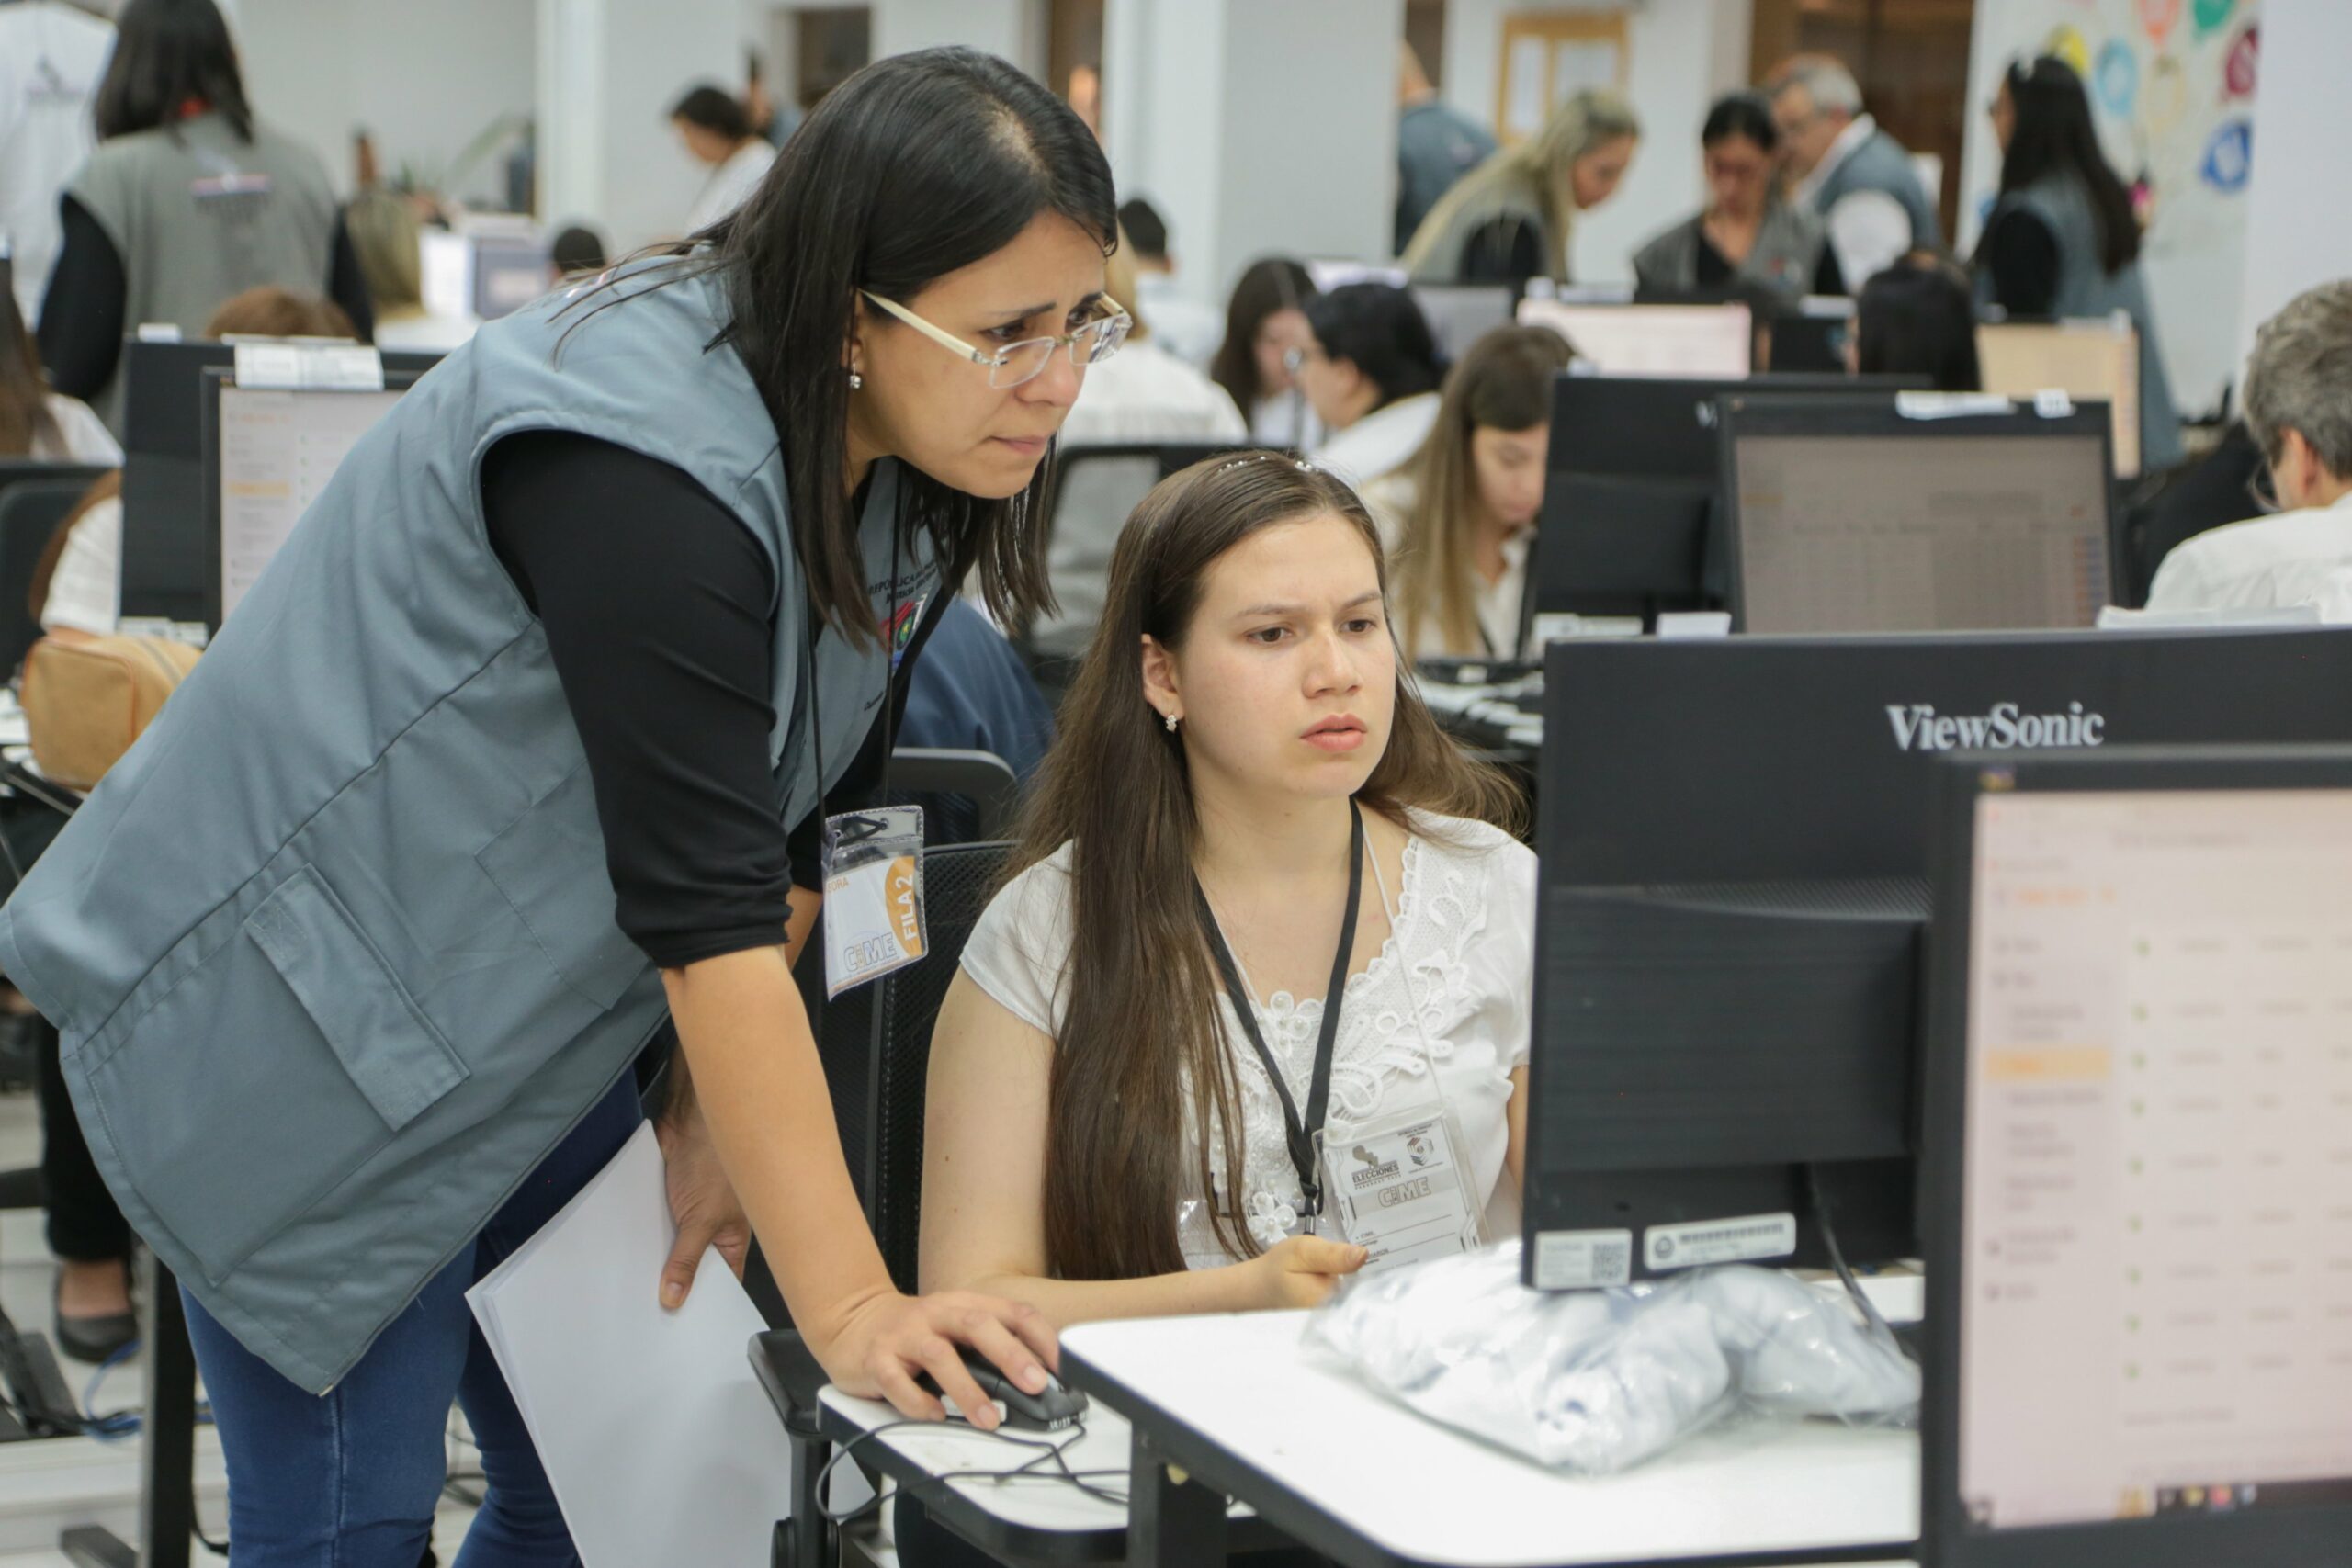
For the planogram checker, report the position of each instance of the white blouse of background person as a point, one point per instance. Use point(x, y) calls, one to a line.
point(731, 183)
point(1446, 1001)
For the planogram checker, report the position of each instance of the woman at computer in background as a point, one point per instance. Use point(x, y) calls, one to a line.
point(34, 421)
point(2062, 239)
point(1513, 217)
point(1747, 236)
point(1371, 372)
point(1474, 492)
point(1916, 318)
point(1104, 1140)
point(1265, 320)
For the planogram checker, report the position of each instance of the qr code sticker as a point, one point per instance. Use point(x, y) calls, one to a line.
point(1583, 1260)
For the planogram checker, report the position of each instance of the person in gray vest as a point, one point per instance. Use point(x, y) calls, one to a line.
point(1844, 167)
point(1436, 145)
point(496, 769)
point(187, 201)
point(2062, 240)
point(1748, 241)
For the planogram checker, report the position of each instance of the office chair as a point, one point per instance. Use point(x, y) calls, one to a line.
point(969, 796)
point(34, 498)
point(875, 1043)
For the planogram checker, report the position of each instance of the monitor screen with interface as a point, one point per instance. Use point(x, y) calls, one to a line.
point(1849, 516)
point(1714, 341)
point(2154, 1241)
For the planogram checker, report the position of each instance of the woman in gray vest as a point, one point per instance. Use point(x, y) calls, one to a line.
point(491, 774)
point(2062, 240)
point(1748, 239)
point(1513, 217)
point(187, 202)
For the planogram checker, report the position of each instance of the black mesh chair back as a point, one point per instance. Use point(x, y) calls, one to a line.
point(34, 498)
point(968, 797)
point(875, 1043)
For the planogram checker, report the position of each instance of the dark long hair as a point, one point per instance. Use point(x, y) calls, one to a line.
point(1379, 327)
point(1267, 285)
point(1503, 383)
point(2054, 136)
point(918, 165)
point(165, 52)
point(1918, 318)
point(1139, 987)
point(25, 419)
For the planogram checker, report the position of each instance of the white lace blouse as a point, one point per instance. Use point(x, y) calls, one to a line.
point(1459, 959)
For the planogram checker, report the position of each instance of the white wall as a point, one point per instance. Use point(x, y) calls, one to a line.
point(1014, 29)
point(424, 77)
point(608, 72)
point(1682, 53)
point(2299, 227)
point(1244, 151)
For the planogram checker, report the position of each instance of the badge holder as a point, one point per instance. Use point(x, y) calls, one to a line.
point(1397, 1187)
point(872, 868)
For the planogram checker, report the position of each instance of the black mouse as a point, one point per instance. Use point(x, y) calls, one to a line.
point(1050, 1411)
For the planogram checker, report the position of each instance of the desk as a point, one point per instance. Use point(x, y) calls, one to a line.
point(1038, 1522)
point(1246, 1414)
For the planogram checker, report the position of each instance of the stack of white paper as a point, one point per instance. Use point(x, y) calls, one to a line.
point(655, 1430)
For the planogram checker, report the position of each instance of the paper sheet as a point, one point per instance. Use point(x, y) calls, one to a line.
point(655, 1430)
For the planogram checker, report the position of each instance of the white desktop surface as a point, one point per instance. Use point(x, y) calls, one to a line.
point(1430, 1494)
point(1039, 1504)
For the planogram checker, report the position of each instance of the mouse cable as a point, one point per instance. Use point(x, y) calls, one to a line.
point(1048, 1452)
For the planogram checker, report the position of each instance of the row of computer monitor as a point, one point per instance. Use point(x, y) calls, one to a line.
point(1813, 908)
point(1823, 504)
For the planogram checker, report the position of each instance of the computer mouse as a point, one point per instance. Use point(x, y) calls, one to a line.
point(1049, 1411)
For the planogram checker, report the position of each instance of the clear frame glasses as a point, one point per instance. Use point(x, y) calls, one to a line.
point(1018, 362)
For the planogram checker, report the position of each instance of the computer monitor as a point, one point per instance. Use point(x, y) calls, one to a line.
point(167, 560)
point(1810, 335)
point(2091, 360)
point(1714, 341)
point(1733, 845)
point(1886, 515)
point(1630, 525)
point(2139, 1165)
point(268, 453)
point(1459, 314)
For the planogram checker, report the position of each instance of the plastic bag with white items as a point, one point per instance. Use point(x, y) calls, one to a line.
point(1596, 1381)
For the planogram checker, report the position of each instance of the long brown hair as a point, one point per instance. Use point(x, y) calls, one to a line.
point(25, 419)
point(1503, 383)
point(1139, 983)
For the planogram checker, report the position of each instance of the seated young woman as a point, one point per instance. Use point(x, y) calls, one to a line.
point(1470, 507)
point(1242, 773)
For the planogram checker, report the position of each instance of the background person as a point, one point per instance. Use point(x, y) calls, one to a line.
point(717, 133)
point(1844, 167)
point(1514, 217)
point(1746, 235)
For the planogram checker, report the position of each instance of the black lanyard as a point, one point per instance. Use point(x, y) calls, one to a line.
point(1299, 1131)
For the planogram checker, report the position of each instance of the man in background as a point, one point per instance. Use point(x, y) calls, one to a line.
point(1435, 145)
point(1185, 327)
point(1853, 175)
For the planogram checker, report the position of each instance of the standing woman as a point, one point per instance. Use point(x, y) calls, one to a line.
point(1469, 522)
point(2062, 239)
point(1264, 322)
point(1511, 218)
point(187, 201)
point(494, 771)
point(1747, 234)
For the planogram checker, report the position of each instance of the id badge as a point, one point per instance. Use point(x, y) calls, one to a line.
point(872, 865)
point(1398, 1189)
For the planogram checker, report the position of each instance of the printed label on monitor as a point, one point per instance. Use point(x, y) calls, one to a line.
point(1748, 1239)
point(1583, 1260)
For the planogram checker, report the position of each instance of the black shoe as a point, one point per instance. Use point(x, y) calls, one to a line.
point(93, 1339)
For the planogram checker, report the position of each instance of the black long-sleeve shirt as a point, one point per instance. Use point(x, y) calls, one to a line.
point(656, 601)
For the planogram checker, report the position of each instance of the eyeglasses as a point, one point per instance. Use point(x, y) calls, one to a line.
point(1017, 364)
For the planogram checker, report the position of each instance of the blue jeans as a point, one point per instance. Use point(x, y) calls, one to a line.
point(351, 1479)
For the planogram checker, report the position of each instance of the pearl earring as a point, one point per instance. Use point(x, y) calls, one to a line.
point(1172, 724)
point(855, 380)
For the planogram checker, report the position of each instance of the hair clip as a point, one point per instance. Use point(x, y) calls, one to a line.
point(1301, 464)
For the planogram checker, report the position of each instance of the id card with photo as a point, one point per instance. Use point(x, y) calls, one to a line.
point(874, 903)
point(1398, 1189)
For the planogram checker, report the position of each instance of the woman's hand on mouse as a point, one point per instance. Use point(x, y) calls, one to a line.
point(1300, 1271)
point(885, 1341)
